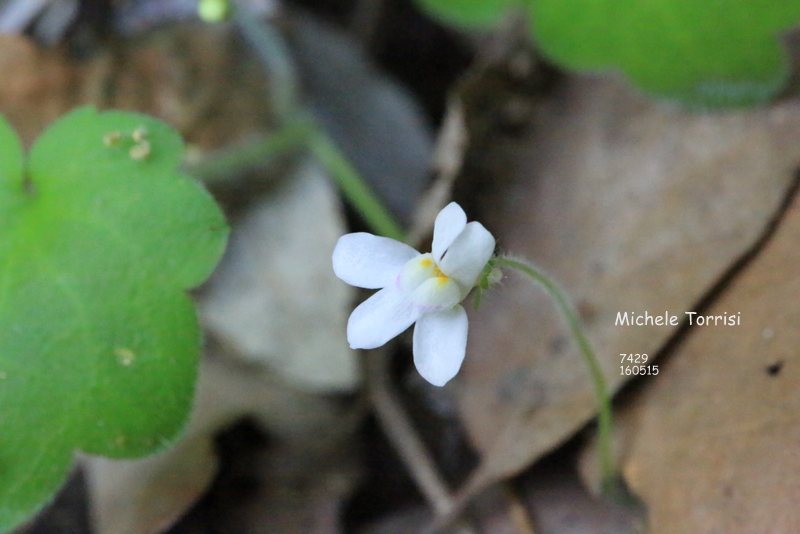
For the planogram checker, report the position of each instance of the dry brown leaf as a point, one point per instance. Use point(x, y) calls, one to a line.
point(202, 79)
point(631, 205)
point(36, 85)
point(713, 439)
point(182, 75)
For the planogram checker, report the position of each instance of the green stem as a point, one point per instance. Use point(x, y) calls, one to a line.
point(273, 53)
point(354, 188)
point(604, 426)
point(224, 165)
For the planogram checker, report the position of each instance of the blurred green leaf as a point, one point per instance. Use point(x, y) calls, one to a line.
point(100, 238)
point(708, 53)
point(705, 53)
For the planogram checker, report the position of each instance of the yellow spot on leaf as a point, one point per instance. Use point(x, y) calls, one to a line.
point(124, 356)
point(139, 134)
point(140, 151)
point(112, 138)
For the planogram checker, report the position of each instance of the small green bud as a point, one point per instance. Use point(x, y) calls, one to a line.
point(495, 276)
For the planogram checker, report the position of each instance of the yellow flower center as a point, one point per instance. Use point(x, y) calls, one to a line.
point(427, 285)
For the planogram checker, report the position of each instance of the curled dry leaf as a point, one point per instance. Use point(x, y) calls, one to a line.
point(632, 206)
point(711, 444)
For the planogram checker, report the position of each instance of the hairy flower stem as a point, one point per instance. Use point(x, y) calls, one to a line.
point(564, 306)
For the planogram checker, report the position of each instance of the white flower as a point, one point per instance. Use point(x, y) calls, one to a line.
point(422, 288)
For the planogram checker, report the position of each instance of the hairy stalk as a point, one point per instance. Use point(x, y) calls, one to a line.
point(600, 387)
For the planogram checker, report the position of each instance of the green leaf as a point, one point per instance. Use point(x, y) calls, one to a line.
point(468, 13)
point(100, 237)
point(707, 53)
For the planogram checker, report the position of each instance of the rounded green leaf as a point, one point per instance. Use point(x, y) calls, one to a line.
point(706, 53)
point(100, 237)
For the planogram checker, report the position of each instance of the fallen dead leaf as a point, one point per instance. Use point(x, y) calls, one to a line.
point(182, 75)
point(36, 85)
point(632, 206)
point(200, 78)
point(711, 443)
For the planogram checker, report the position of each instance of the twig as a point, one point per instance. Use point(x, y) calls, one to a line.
point(516, 510)
point(401, 433)
point(397, 426)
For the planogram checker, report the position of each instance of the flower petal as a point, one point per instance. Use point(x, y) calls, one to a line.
point(370, 261)
point(449, 223)
point(381, 317)
point(468, 255)
point(440, 343)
